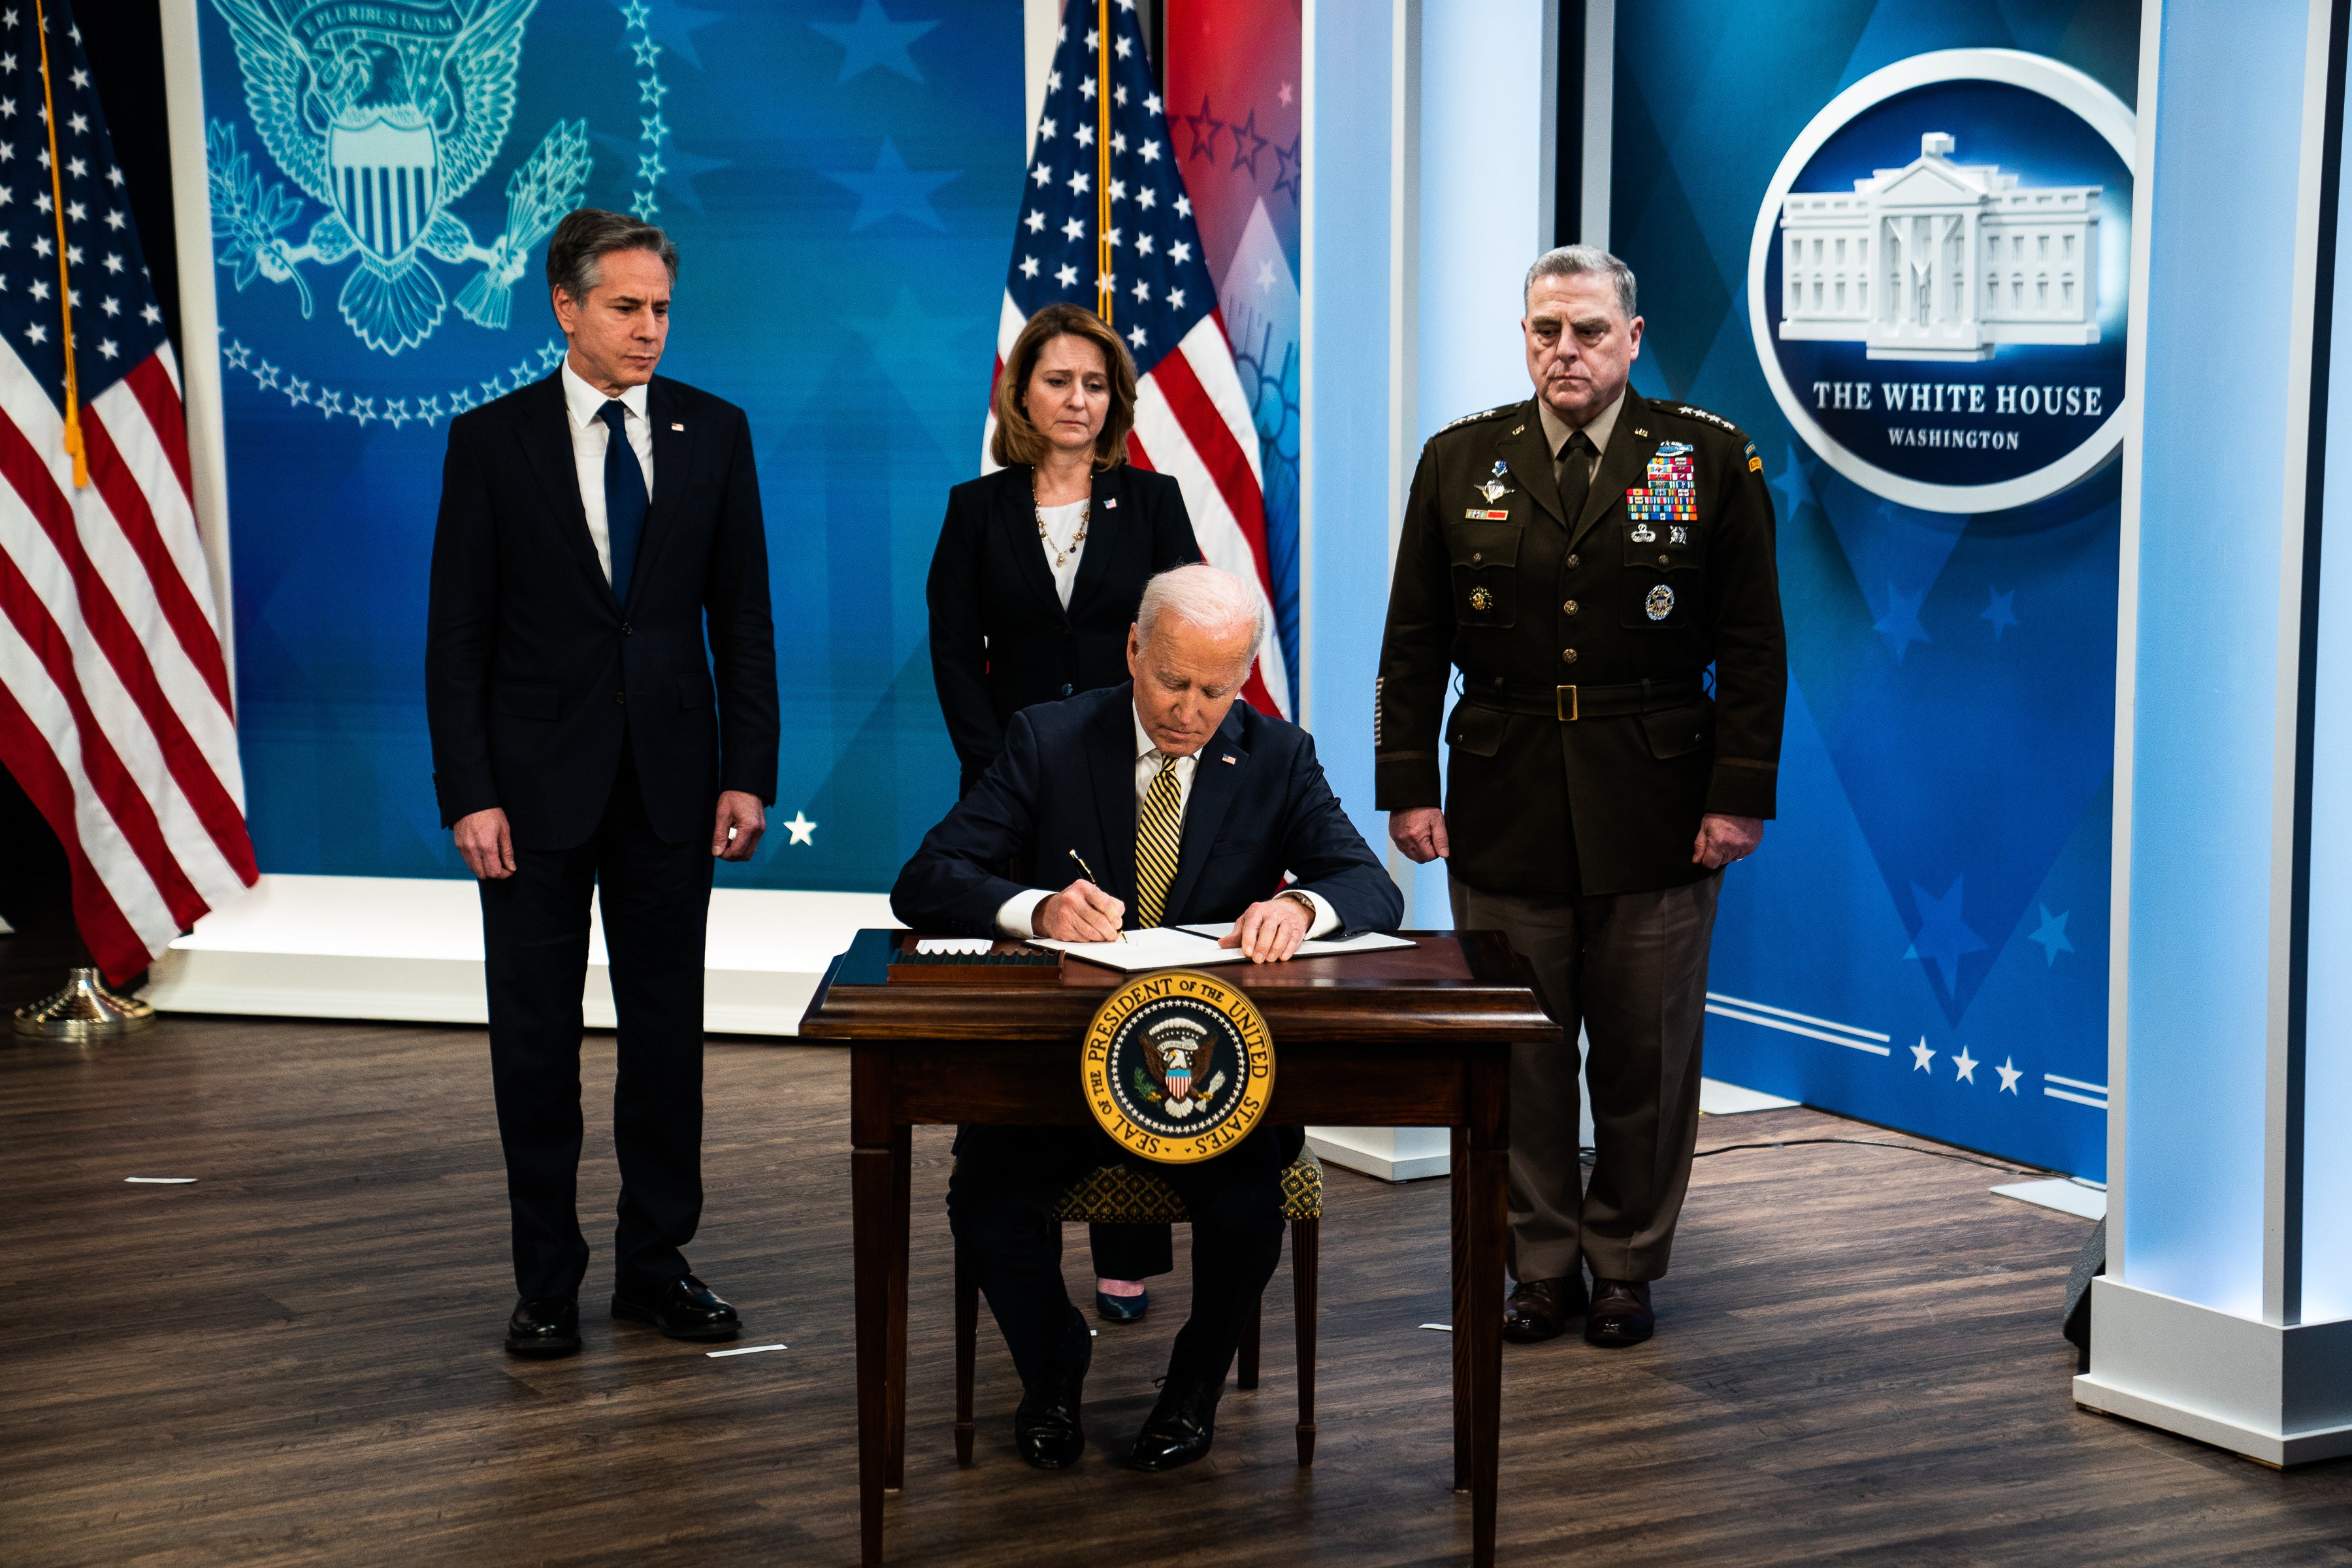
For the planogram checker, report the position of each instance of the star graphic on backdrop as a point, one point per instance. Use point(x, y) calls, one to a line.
point(674, 169)
point(1998, 612)
point(672, 27)
point(1288, 164)
point(1964, 1066)
point(1943, 936)
point(1794, 489)
point(1248, 131)
point(1283, 94)
point(893, 189)
point(1900, 623)
point(908, 342)
point(2009, 1075)
point(1204, 143)
point(802, 830)
point(2052, 935)
point(1921, 1055)
point(874, 40)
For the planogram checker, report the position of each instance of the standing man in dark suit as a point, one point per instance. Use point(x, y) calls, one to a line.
point(1193, 808)
point(1584, 558)
point(594, 527)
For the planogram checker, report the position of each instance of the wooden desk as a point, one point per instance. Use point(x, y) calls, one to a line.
point(1414, 1038)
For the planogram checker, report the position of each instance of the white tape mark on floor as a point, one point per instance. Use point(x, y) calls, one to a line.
point(161, 1181)
point(746, 1350)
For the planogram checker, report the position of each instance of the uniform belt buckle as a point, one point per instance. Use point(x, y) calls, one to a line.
point(1563, 702)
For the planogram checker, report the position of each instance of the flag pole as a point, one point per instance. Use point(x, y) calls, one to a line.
point(84, 1009)
point(65, 284)
point(1102, 160)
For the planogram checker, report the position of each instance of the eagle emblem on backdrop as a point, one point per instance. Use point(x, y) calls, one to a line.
point(385, 113)
point(1177, 1065)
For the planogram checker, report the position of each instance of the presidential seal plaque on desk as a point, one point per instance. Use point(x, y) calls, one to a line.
point(1177, 1065)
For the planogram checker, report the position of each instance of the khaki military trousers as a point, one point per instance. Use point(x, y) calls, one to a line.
point(1631, 970)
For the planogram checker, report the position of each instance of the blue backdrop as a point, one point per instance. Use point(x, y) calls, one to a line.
point(841, 177)
point(1936, 886)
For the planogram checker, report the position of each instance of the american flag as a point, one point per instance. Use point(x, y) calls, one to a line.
point(1191, 417)
point(115, 712)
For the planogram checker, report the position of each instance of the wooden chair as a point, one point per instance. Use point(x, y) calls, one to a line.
point(1123, 1195)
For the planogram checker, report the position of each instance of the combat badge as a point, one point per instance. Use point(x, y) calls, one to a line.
point(1177, 1066)
point(1660, 604)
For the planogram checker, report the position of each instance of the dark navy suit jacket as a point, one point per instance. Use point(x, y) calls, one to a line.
point(535, 671)
point(1065, 780)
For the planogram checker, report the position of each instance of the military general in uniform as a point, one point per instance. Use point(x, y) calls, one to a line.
point(1599, 567)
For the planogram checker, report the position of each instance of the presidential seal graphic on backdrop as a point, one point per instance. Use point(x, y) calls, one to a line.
point(385, 111)
point(1939, 282)
point(1177, 1066)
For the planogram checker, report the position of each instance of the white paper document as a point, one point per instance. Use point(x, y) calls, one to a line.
point(1183, 947)
point(1321, 946)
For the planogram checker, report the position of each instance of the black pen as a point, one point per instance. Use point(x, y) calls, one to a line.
point(1089, 870)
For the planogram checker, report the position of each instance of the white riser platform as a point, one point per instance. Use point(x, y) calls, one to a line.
point(410, 950)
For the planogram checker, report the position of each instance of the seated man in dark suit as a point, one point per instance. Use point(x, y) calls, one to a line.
point(1192, 809)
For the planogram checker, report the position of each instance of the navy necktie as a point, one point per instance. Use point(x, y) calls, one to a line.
point(625, 496)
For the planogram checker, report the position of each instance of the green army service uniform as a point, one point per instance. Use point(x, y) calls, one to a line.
point(1587, 744)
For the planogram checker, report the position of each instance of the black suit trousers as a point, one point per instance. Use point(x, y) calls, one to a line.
point(1001, 1207)
point(656, 905)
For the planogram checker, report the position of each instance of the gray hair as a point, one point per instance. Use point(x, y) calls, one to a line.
point(1574, 261)
point(576, 250)
point(1216, 602)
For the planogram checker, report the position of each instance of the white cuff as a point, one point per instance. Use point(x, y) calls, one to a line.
point(1327, 919)
point(1017, 916)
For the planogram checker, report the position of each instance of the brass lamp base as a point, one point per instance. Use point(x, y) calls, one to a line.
point(84, 1010)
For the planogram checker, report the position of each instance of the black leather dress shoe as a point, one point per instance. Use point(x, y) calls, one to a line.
point(684, 1308)
point(1046, 1432)
point(1180, 1426)
point(547, 1327)
point(1539, 1310)
point(1621, 1314)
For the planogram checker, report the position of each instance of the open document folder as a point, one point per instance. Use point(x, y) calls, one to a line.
point(1189, 947)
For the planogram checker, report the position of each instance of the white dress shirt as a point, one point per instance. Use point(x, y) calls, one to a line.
point(1062, 547)
point(1017, 917)
point(583, 403)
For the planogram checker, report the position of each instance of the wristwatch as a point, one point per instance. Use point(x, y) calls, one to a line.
point(1305, 901)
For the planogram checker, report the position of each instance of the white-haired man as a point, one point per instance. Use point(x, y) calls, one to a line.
point(1192, 808)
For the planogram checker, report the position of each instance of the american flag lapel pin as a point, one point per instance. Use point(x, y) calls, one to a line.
point(677, 426)
point(1111, 504)
point(1227, 758)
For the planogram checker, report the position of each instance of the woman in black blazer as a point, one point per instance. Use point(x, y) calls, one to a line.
point(1040, 564)
point(1032, 587)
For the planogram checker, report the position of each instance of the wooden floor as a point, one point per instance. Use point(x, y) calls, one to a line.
point(296, 1359)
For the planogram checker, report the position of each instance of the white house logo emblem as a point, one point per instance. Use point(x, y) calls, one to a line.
point(385, 112)
point(1965, 260)
point(1937, 284)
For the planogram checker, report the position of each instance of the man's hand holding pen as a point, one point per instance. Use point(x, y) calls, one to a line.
point(1080, 912)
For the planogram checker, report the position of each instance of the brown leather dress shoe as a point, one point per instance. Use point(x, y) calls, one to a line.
point(1621, 1314)
point(1539, 1310)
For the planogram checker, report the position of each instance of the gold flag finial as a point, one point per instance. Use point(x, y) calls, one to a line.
point(74, 446)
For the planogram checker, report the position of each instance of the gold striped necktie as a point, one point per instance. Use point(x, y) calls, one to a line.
point(1159, 841)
